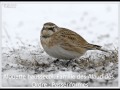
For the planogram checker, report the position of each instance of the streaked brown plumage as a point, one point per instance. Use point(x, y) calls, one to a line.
point(64, 43)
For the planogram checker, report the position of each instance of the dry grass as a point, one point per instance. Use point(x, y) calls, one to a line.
point(35, 60)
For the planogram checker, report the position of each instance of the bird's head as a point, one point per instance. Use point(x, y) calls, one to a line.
point(49, 29)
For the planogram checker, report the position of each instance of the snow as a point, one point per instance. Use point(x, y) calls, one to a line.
point(96, 19)
point(22, 53)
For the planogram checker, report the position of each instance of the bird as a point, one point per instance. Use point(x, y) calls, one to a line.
point(63, 43)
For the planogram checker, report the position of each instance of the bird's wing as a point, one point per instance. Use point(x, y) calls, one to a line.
point(70, 40)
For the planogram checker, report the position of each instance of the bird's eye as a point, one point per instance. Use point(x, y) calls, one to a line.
point(52, 29)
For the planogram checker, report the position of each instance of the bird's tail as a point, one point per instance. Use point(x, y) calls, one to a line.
point(94, 47)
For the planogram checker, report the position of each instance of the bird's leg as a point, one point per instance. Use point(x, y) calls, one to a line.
point(55, 61)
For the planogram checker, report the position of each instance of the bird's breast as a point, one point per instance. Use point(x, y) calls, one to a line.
point(46, 42)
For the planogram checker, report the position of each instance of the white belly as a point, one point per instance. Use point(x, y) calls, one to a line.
point(61, 53)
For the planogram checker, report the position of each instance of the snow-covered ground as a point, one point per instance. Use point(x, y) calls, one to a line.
point(22, 53)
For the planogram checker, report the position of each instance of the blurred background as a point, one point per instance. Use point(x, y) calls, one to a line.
point(96, 22)
point(21, 54)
